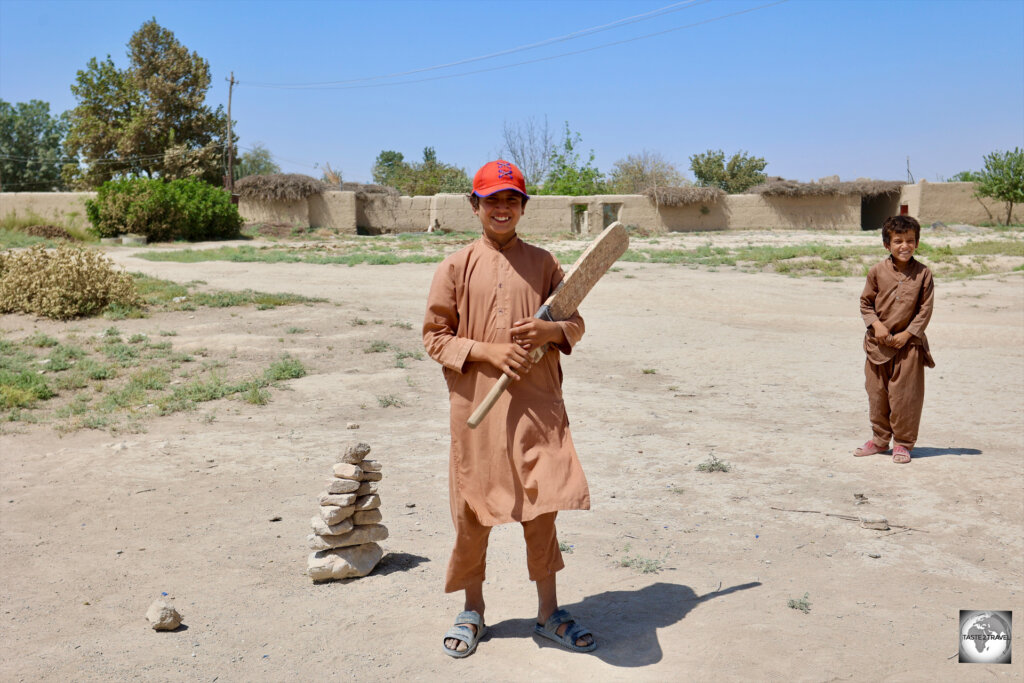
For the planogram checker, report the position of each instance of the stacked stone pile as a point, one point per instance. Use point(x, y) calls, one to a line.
point(347, 528)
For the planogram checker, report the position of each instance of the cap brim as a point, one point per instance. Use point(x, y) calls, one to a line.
point(494, 189)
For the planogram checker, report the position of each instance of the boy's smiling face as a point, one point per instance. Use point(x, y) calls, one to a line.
point(499, 214)
point(902, 246)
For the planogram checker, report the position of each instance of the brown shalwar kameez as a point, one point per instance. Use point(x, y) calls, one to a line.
point(519, 464)
point(894, 378)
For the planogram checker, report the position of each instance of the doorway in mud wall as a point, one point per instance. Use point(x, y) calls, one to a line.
point(580, 219)
point(874, 209)
point(609, 214)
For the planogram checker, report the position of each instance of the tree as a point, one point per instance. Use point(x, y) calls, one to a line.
point(741, 173)
point(528, 145)
point(429, 177)
point(1002, 179)
point(964, 177)
point(568, 175)
point(638, 173)
point(149, 119)
point(389, 168)
point(30, 147)
point(257, 161)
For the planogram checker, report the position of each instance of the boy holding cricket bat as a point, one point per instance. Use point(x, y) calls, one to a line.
point(519, 465)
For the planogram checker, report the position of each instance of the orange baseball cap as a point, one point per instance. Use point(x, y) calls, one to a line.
point(496, 176)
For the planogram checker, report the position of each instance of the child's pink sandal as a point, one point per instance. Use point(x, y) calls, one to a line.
point(900, 455)
point(870, 448)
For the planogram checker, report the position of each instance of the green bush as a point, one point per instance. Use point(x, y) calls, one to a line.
point(180, 209)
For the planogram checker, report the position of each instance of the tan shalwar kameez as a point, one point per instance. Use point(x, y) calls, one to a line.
point(894, 378)
point(519, 464)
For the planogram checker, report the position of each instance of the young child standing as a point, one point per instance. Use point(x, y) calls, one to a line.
point(896, 306)
point(519, 464)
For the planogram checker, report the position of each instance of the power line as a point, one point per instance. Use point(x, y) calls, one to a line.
point(549, 41)
point(530, 61)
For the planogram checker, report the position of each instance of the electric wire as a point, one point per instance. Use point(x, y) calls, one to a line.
point(549, 41)
point(529, 61)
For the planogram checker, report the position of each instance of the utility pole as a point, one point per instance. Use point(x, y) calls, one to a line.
point(231, 142)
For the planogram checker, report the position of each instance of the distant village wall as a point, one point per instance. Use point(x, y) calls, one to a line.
point(347, 213)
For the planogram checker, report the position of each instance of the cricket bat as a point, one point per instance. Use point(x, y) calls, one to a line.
point(581, 278)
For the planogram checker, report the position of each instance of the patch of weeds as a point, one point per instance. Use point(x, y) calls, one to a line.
point(629, 277)
point(402, 325)
point(256, 395)
point(63, 357)
point(168, 333)
point(295, 330)
point(122, 354)
point(285, 368)
point(377, 346)
point(78, 406)
point(116, 310)
point(95, 422)
point(650, 371)
point(400, 357)
point(111, 333)
point(565, 547)
point(355, 322)
point(22, 389)
point(40, 340)
point(137, 338)
point(802, 604)
point(713, 464)
point(644, 565)
point(389, 401)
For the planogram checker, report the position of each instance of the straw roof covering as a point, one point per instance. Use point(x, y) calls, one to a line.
point(368, 190)
point(289, 186)
point(681, 196)
point(864, 187)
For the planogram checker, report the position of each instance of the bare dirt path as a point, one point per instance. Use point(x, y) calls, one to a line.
point(762, 371)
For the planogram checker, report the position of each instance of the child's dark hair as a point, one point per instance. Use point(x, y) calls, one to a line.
point(475, 200)
point(897, 225)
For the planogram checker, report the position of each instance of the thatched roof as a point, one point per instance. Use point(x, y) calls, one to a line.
point(279, 186)
point(864, 187)
point(681, 196)
point(366, 190)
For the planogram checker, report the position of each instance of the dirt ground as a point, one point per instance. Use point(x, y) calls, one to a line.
point(759, 370)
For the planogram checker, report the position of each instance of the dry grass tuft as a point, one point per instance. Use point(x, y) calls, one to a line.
point(288, 186)
point(682, 196)
point(50, 232)
point(366, 190)
point(864, 187)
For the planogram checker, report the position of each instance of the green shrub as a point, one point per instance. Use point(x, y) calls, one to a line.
point(67, 282)
point(180, 209)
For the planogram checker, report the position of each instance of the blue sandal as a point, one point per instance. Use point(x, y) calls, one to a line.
point(464, 633)
point(571, 635)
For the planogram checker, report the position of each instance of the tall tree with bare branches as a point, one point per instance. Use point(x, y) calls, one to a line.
point(528, 144)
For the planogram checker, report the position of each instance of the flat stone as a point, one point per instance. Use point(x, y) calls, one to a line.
point(366, 488)
point(162, 616)
point(359, 535)
point(322, 528)
point(370, 502)
point(370, 466)
point(344, 470)
point(342, 500)
point(332, 514)
point(367, 517)
point(344, 563)
point(355, 454)
point(342, 486)
point(872, 522)
point(371, 476)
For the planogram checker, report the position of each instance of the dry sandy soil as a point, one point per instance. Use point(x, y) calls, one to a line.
point(760, 370)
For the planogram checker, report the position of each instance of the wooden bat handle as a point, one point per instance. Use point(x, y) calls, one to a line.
point(497, 390)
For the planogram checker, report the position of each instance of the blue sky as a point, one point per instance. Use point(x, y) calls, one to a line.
point(816, 87)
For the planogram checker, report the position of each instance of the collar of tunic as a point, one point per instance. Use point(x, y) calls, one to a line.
point(492, 244)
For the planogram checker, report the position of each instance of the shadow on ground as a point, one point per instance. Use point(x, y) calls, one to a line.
point(926, 452)
point(625, 623)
